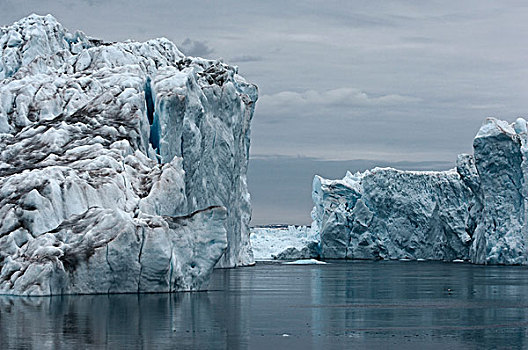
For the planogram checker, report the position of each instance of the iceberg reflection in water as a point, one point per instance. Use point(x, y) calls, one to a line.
point(342, 304)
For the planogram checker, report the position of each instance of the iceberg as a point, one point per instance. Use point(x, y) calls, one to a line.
point(284, 242)
point(475, 212)
point(122, 164)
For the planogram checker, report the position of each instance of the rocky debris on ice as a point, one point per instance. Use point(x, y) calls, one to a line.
point(476, 212)
point(281, 242)
point(122, 165)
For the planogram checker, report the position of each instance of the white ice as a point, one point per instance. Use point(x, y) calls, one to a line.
point(305, 262)
point(269, 242)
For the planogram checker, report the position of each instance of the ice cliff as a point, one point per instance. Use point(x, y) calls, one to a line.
point(122, 165)
point(475, 212)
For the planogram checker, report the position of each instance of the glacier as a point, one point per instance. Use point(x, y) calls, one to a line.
point(476, 212)
point(122, 164)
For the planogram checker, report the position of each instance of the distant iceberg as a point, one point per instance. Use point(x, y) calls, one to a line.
point(477, 212)
point(284, 242)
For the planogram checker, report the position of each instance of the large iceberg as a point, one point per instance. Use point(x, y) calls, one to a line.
point(122, 165)
point(475, 212)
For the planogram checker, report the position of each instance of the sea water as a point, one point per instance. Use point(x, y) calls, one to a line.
point(341, 305)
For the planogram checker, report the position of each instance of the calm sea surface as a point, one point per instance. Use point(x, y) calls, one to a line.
point(342, 305)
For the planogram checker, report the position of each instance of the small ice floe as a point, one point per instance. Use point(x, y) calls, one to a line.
point(420, 259)
point(405, 259)
point(458, 261)
point(305, 262)
point(285, 335)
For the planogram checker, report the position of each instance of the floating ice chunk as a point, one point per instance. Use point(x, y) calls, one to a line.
point(305, 262)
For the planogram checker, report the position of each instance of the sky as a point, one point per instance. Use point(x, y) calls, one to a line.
point(343, 85)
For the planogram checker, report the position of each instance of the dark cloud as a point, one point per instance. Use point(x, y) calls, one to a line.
point(195, 48)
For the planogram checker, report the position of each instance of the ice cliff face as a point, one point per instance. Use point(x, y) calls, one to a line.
point(476, 212)
point(386, 214)
point(122, 165)
point(501, 187)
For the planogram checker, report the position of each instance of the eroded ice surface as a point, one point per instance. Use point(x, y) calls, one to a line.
point(122, 165)
point(475, 212)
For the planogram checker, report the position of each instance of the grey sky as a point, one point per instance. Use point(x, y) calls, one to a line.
point(381, 81)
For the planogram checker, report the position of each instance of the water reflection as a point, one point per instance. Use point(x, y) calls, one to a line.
point(140, 321)
point(432, 304)
point(364, 304)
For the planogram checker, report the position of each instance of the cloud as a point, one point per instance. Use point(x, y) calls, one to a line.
point(350, 123)
point(246, 58)
point(344, 97)
point(195, 48)
point(487, 106)
point(418, 40)
point(93, 2)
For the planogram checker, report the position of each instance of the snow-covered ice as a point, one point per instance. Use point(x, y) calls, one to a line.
point(122, 165)
point(284, 242)
point(476, 212)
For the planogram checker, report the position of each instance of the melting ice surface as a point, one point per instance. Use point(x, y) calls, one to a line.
point(360, 305)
